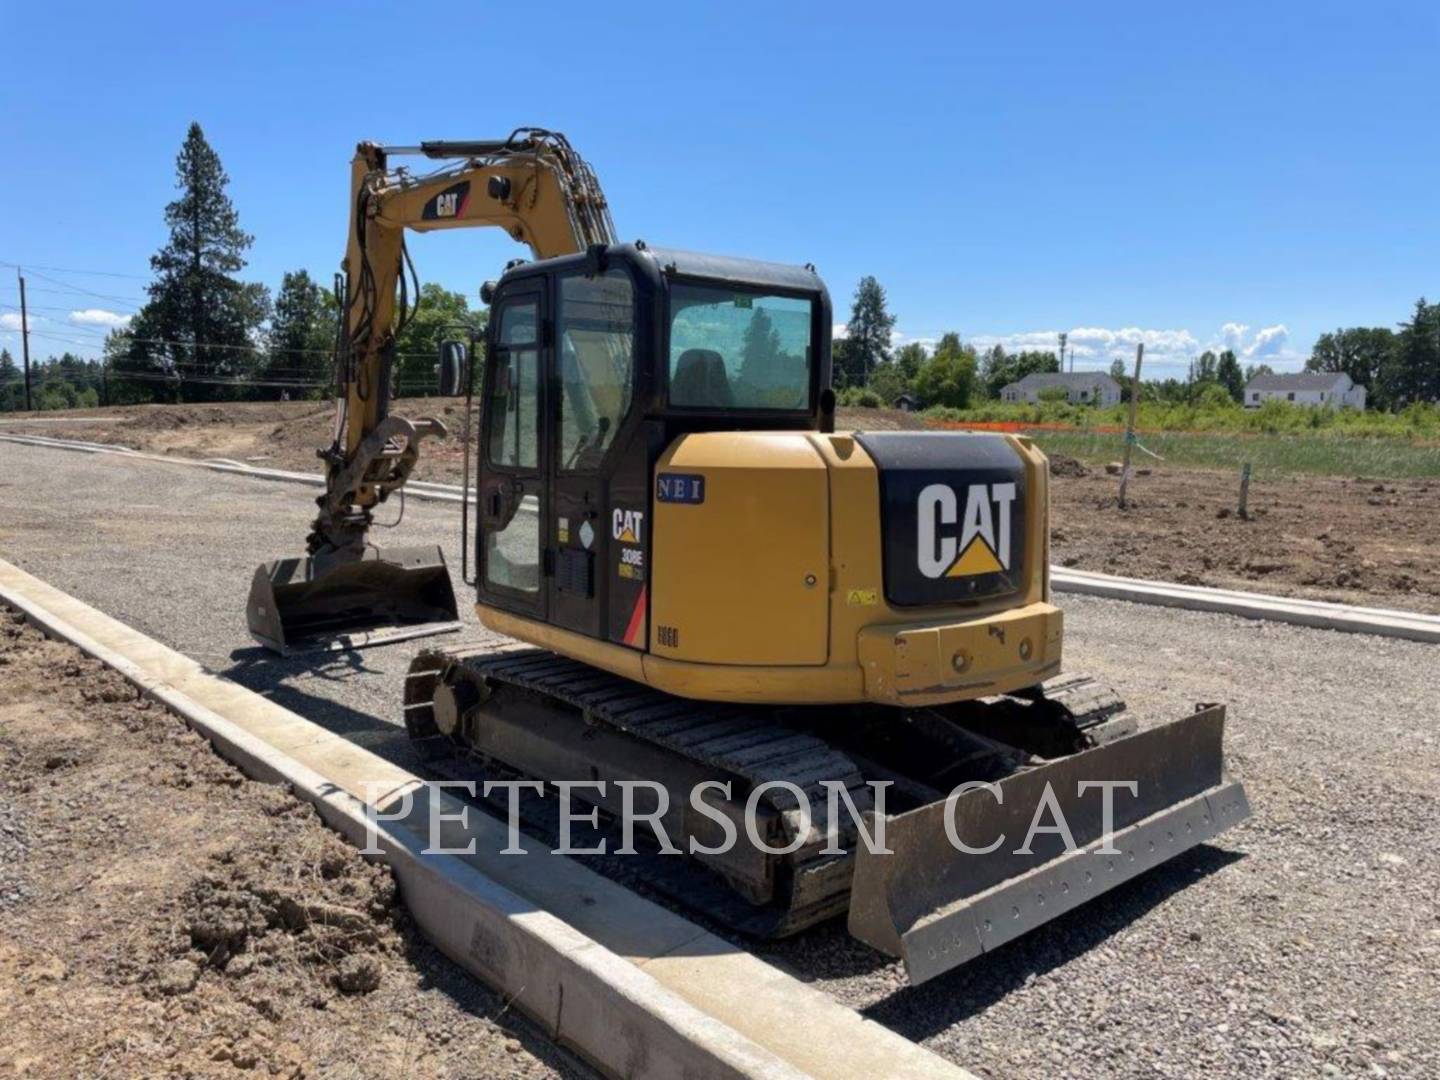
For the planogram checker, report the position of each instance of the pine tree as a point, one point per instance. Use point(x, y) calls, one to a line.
point(302, 335)
point(1416, 363)
point(1229, 375)
point(867, 334)
point(200, 321)
point(12, 383)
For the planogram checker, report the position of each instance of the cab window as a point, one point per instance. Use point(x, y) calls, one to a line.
point(739, 349)
point(515, 387)
point(595, 361)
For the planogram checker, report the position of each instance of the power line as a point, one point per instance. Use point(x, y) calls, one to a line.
point(68, 291)
point(79, 289)
point(40, 307)
point(67, 270)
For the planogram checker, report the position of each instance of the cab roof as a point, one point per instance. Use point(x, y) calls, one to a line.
point(732, 270)
point(693, 264)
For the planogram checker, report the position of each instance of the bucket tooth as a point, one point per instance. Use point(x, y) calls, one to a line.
point(937, 906)
point(333, 602)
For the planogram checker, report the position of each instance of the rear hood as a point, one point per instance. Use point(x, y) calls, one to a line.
point(952, 508)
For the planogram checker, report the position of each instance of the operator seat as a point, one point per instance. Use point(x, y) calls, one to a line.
point(700, 381)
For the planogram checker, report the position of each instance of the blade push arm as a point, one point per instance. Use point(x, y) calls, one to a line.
point(532, 185)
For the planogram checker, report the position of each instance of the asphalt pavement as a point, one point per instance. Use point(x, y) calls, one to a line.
point(1306, 941)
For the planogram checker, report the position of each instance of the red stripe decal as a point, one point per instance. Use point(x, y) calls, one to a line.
point(635, 631)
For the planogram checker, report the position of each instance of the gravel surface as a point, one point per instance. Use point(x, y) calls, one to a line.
point(1306, 941)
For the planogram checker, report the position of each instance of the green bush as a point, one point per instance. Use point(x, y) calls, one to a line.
point(859, 397)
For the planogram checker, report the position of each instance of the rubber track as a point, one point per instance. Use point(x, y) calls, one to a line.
point(745, 743)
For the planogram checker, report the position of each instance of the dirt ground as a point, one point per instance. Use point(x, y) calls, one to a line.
point(270, 948)
point(1359, 540)
point(1353, 540)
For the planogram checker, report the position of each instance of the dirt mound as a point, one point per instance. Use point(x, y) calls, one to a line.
point(160, 914)
point(1061, 465)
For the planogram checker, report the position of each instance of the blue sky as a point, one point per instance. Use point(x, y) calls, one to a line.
point(1250, 174)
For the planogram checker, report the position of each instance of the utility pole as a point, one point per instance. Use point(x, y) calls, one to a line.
point(1063, 338)
point(24, 337)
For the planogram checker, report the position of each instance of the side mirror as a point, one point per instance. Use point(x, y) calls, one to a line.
point(453, 368)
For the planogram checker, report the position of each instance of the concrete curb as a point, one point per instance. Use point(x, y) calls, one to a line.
point(630, 986)
point(1383, 622)
point(420, 489)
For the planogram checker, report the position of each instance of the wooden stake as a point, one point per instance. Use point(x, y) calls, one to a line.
point(1245, 492)
point(1130, 423)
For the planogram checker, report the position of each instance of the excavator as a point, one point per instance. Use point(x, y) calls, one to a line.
point(849, 634)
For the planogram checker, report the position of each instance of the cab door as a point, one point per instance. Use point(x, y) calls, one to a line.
point(513, 502)
point(593, 395)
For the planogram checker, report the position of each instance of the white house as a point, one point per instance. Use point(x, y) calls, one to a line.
point(1331, 388)
point(1081, 387)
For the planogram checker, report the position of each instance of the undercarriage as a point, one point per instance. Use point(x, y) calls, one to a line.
point(850, 808)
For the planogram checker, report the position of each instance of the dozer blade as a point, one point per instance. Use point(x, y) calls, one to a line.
point(329, 602)
point(937, 907)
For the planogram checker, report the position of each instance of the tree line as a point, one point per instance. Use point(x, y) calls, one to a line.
point(1398, 367)
point(205, 334)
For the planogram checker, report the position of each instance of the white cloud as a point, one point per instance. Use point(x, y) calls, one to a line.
point(1167, 352)
point(839, 332)
point(1268, 342)
point(9, 321)
point(1094, 347)
point(99, 317)
point(899, 337)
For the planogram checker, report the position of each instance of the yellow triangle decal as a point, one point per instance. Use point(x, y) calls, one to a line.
point(975, 559)
point(628, 537)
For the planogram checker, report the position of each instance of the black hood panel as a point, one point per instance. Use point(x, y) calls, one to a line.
point(952, 512)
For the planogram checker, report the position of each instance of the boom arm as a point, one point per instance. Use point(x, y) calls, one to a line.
point(533, 185)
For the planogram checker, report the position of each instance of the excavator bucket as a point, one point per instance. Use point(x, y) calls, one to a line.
point(329, 602)
point(937, 906)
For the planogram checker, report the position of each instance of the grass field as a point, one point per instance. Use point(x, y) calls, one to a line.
point(1335, 455)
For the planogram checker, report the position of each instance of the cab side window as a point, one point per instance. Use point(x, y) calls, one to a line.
point(514, 405)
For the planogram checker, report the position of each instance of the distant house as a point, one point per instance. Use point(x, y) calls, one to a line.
point(1306, 388)
point(1081, 387)
point(909, 403)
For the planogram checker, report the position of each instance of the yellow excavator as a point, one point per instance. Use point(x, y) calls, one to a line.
point(707, 582)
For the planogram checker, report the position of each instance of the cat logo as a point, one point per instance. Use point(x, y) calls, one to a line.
point(449, 203)
point(983, 543)
point(627, 526)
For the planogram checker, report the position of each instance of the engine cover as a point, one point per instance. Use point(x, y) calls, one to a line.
point(953, 515)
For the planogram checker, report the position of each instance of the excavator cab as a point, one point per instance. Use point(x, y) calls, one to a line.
point(596, 363)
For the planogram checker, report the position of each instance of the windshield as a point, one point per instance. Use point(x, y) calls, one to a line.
point(737, 349)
